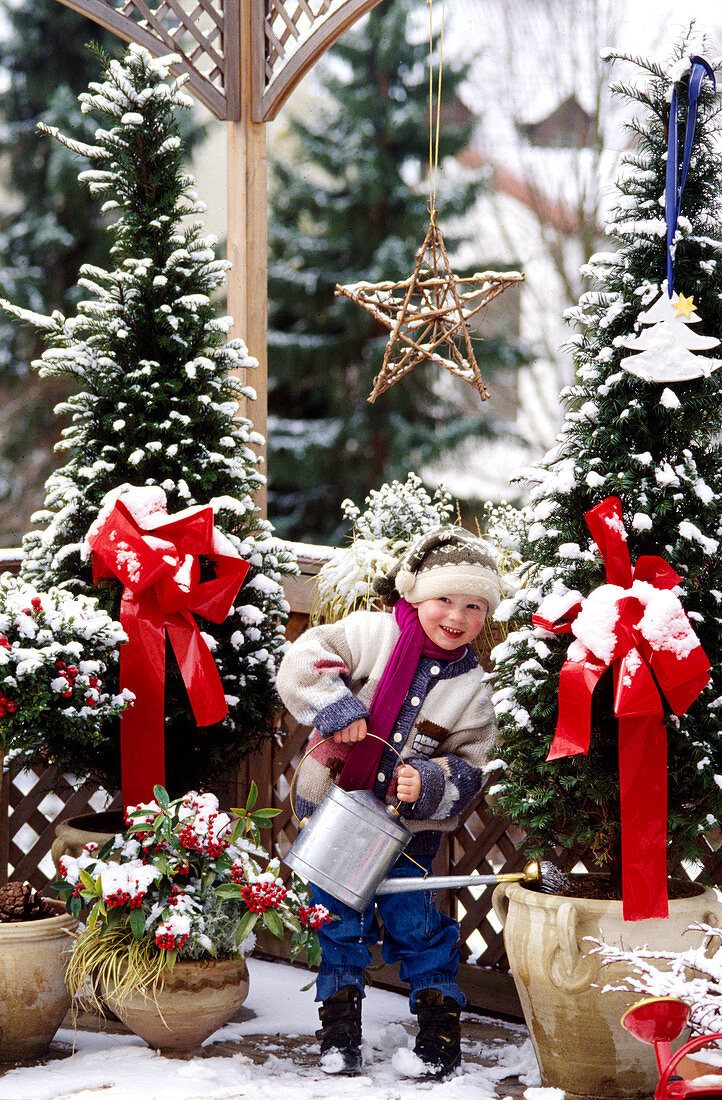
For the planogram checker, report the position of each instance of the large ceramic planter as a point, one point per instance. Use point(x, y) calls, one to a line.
point(579, 1043)
point(195, 1000)
point(74, 833)
point(33, 997)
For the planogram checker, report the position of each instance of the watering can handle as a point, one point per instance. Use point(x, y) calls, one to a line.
point(391, 809)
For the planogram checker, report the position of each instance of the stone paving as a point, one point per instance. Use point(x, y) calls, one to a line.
point(480, 1037)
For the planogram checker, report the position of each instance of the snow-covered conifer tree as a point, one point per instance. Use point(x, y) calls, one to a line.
point(656, 446)
point(158, 406)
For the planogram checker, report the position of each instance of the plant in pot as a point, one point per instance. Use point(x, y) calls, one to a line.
point(171, 906)
point(34, 951)
point(157, 408)
point(55, 649)
point(610, 746)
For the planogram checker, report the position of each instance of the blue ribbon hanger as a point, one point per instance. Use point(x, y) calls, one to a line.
point(673, 194)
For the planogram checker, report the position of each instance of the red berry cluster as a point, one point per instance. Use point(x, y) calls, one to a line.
point(7, 706)
point(168, 941)
point(190, 839)
point(260, 896)
point(173, 899)
point(313, 916)
point(70, 674)
point(237, 873)
point(4, 642)
point(211, 846)
point(122, 897)
point(36, 603)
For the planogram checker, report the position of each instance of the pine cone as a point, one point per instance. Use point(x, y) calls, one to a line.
point(19, 901)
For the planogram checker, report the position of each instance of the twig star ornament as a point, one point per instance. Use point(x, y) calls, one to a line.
point(428, 314)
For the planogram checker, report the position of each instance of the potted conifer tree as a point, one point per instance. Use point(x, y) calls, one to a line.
point(634, 481)
point(157, 409)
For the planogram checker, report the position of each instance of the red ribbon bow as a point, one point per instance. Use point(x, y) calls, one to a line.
point(157, 561)
point(635, 624)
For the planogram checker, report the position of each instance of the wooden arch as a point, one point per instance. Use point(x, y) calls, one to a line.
point(286, 39)
point(243, 59)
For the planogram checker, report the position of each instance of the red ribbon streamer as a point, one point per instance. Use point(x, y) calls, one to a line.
point(157, 562)
point(637, 705)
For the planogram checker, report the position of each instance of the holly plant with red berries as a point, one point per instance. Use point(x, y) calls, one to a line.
point(55, 652)
point(183, 881)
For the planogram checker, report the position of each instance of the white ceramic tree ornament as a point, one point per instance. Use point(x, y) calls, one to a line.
point(668, 350)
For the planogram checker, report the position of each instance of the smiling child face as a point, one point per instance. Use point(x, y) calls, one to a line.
point(452, 621)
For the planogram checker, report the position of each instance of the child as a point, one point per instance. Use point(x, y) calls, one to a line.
point(413, 679)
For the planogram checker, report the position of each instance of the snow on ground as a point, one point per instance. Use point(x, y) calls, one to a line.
point(122, 1067)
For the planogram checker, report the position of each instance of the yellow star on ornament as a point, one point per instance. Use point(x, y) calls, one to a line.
point(684, 306)
point(428, 314)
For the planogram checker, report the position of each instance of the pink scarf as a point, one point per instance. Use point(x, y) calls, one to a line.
point(361, 766)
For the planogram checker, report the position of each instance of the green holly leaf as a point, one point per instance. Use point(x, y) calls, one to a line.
point(161, 796)
point(273, 923)
point(229, 890)
point(89, 882)
point(137, 923)
point(266, 812)
point(245, 925)
point(291, 921)
point(252, 796)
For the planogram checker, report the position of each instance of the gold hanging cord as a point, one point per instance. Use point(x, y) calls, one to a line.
point(434, 141)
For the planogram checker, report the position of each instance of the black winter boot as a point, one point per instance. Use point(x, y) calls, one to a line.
point(341, 1030)
point(438, 1043)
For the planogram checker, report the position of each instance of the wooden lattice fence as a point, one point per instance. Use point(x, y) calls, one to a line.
point(32, 804)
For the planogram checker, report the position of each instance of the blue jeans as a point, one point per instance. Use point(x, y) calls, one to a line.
point(422, 940)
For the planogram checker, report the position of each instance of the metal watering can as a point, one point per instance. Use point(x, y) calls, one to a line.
point(353, 839)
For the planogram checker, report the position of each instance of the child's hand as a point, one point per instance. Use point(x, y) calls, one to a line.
point(355, 732)
point(408, 783)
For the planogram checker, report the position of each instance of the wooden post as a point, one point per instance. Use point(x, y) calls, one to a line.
point(246, 226)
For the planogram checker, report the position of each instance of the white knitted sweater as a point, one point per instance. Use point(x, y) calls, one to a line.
point(446, 728)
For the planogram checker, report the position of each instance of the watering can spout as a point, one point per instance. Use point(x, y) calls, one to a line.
point(532, 874)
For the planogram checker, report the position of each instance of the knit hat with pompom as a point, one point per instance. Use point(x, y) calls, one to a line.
point(445, 561)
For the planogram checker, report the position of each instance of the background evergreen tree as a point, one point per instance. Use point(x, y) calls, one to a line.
point(156, 407)
point(351, 206)
point(657, 448)
point(47, 228)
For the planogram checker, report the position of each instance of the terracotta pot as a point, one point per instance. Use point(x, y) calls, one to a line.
point(74, 833)
point(579, 1043)
point(33, 997)
point(195, 999)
